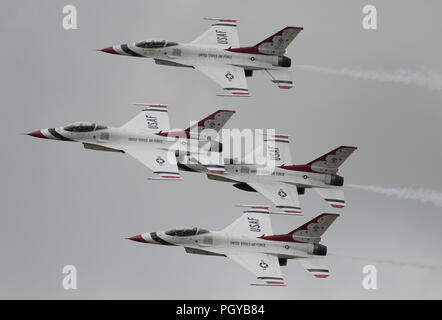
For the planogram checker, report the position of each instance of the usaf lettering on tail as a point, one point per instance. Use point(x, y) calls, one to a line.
point(152, 122)
point(274, 153)
point(221, 37)
point(254, 224)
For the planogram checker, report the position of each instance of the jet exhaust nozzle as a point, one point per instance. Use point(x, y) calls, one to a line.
point(319, 250)
point(334, 180)
point(284, 61)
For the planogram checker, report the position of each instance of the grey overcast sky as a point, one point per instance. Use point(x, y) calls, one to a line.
point(61, 204)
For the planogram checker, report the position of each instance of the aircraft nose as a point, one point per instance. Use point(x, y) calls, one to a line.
point(138, 238)
point(37, 134)
point(109, 50)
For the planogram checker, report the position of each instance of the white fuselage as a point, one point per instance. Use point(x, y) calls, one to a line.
point(120, 138)
point(188, 54)
point(220, 242)
point(255, 173)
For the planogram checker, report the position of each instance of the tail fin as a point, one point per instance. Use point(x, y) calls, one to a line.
point(214, 121)
point(330, 162)
point(254, 221)
point(275, 148)
point(154, 118)
point(277, 43)
point(314, 229)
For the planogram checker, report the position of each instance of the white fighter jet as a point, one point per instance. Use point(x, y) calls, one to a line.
point(249, 241)
point(218, 55)
point(283, 182)
point(146, 137)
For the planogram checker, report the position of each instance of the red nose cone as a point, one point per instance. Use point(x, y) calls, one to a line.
point(138, 238)
point(109, 50)
point(37, 134)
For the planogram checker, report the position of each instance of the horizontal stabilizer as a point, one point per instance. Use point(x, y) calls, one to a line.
point(334, 197)
point(281, 77)
point(316, 266)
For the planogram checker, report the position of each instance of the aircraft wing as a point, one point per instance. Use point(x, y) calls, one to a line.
point(283, 195)
point(158, 161)
point(222, 33)
point(334, 196)
point(231, 78)
point(264, 266)
point(281, 77)
point(318, 266)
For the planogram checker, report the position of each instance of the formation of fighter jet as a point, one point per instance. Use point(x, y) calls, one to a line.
point(218, 55)
point(146, 137)
point(249, 242)
point(282, 184)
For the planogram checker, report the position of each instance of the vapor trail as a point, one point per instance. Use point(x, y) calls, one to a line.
point(423, 195)
point(424, 78)
point(392, 262)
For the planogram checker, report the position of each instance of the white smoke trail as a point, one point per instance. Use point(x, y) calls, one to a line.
point(391, 262)
point(424, 78)
point(423, 195)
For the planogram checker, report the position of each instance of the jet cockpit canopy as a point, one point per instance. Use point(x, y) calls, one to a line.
point(155, 43)
point(185, 231)
point(84, 127)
